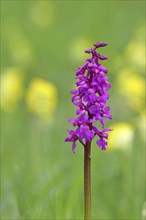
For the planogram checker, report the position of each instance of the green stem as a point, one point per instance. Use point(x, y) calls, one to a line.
point(87, 182)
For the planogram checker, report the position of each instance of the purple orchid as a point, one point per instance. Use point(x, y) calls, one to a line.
point(91, 97)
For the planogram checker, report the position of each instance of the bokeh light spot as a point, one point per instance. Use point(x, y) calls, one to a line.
point(11, 88)
point(42, 13)
point(121, 137)
point(41, 98)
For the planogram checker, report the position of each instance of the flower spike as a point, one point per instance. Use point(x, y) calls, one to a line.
point(91, 97)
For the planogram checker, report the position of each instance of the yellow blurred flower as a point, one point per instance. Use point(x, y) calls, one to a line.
point(77, 48)
point(132, 87)
point(121, 137)
point(20, 48)
point(18, 44)
point(41, 98)
point(42, 13)
point(11, 88)
point(135, 51)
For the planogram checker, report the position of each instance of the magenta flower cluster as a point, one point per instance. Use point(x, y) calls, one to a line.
point(91, 97)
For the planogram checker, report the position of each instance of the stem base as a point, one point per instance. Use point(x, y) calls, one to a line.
point(87, 181)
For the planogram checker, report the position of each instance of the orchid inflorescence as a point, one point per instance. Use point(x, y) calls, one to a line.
point(90, 97)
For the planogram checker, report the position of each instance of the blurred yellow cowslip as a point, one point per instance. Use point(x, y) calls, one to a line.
point(41, 98)
point(18, 44)
point(42, 13)
point(135, 51)
point(11, 88)
point(132, 87)
point(20, 49)
point(121, 137)
point(77, 48)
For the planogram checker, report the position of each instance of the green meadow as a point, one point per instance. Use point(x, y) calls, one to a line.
point(41, 178)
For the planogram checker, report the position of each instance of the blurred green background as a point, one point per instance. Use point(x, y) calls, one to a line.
point(42, 45)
